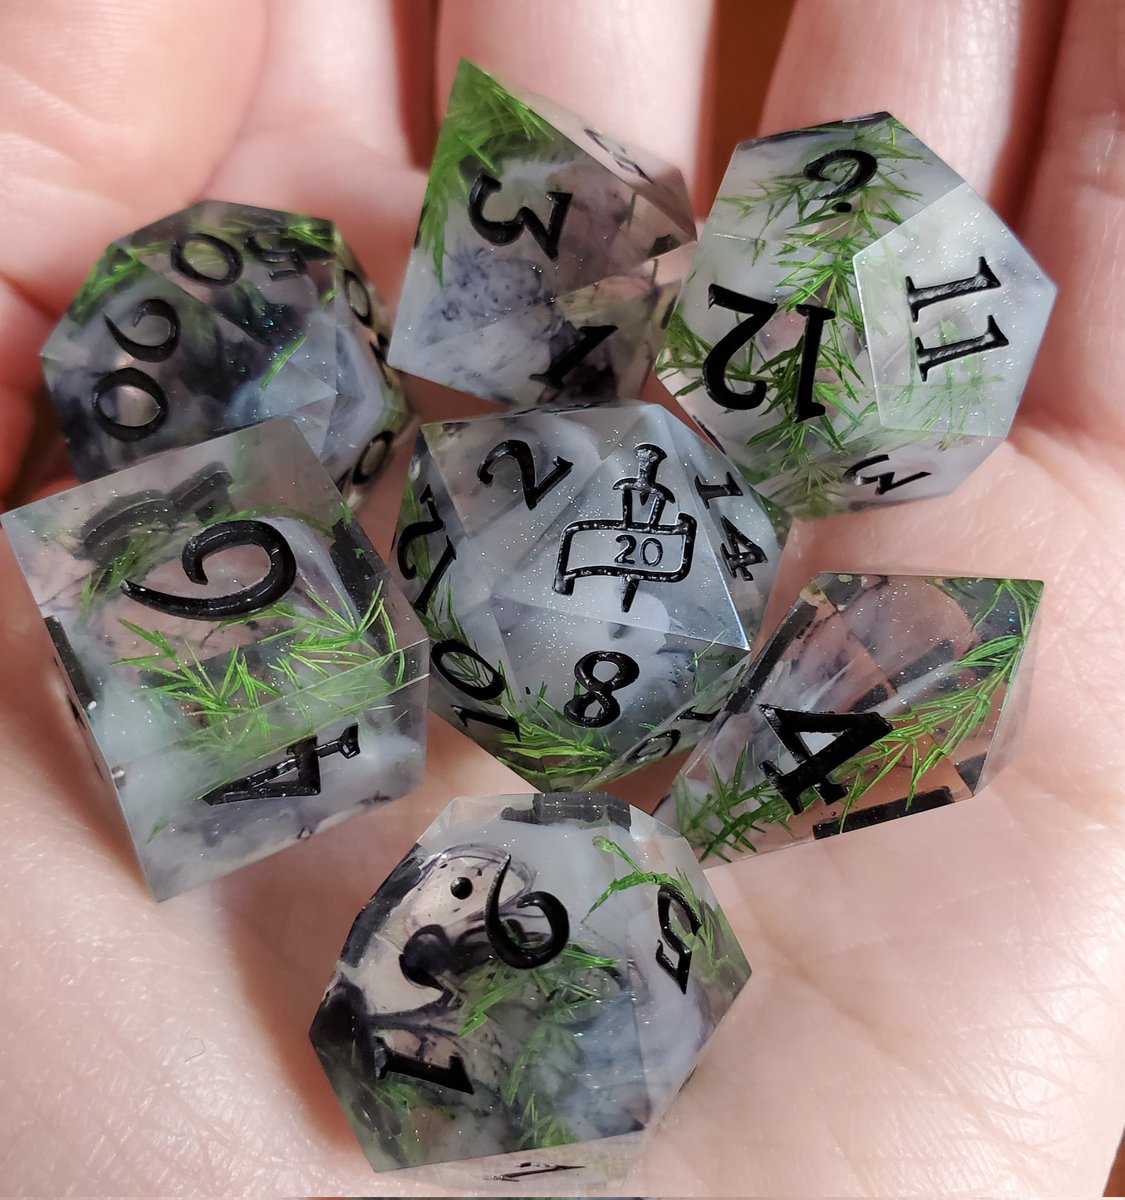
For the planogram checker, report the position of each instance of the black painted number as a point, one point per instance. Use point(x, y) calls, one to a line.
point(226, 535)
point(854, 732)
point(738, 551)
point(188, 260)
point(474, 675)
point(149, 351)
point(667, 898)
point(758, 314)
point(503, 233)
point(919, 298)
point(390, 1062)
point(523, 956)
point(302, 759)
point(861, 166)
point(884, 481)
point(422, 529)
point(520, 453)
point(590, 337)
point(599, 692)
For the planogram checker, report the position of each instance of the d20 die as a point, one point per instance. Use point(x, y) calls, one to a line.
point(245, 669)
point(585, 576)
point(538, 972)
point(878, 696)
point(548, 257)
point(216, 318)
point(858, 325)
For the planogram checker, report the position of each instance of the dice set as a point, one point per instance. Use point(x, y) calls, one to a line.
point(587, 576)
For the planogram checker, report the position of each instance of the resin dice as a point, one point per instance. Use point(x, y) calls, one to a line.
point(216, 318)
point(858, 325)
point(878, 696)
point(584, 576)
point(245, 669)
point(548, 257)
point(539, 971)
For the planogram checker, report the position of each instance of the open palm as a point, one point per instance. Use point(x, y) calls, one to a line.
point(935, 1004)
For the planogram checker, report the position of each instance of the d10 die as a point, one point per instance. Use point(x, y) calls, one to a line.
point(216, 318)
point(548, 257)
point(585, 576)
point(858, 325)
point(877, 697)
point(537, 972)
point(245, 668)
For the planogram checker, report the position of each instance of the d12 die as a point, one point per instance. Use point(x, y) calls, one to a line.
point(218, 317)
point(245, 668)
point(537, 972)
point(858, 325)
point(585, 576)
point(878, 696)
point(548, 257)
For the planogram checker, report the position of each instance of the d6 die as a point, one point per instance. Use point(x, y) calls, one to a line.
point(537, 972)
point(548, 257)
point(584, 576)
point(245, 669)
point(858, 325)
point(878, 696)
point(218, 317)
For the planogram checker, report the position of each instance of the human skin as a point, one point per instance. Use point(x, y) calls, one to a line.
point(936, 1002)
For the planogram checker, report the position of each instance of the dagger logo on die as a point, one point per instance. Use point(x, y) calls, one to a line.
point(636, 547)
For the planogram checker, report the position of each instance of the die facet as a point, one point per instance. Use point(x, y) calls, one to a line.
point(245, 670)
point(585, 576)
point(216, 318)
point(878, 696)
point(538, 972)
point(548, 256)
point(858, 325)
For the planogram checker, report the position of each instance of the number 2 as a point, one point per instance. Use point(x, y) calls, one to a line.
point(520, 453)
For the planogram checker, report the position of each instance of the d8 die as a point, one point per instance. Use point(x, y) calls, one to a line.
point(858, 325)
point(548, 257)
point(878, 696)
point(584, 576)
point(216, 318)
point(245, 669)
point(537, 972)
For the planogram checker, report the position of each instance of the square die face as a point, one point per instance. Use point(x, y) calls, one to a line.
point(584, 963)
point(223, 622)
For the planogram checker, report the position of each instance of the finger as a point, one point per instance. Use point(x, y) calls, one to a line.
point(1074, 224)
point(332, 70)
point(332, 130)
point(111, 113)
point(969, 77)
point(115, 112)
point(636, 69)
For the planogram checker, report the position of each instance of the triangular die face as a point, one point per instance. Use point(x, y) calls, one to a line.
point(589, 689)
point(955, 309)
point(597, 343)
point(629, 548)
point(525, 216)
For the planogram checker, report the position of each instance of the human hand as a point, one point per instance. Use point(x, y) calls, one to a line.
point(935, 1001)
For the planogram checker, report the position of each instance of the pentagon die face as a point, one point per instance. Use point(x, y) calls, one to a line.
point(857, 326)
point(539, 972)
point(877, 697)
point(245, 670)
point(585, 576)
point(216, 318)
point(547, 263)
